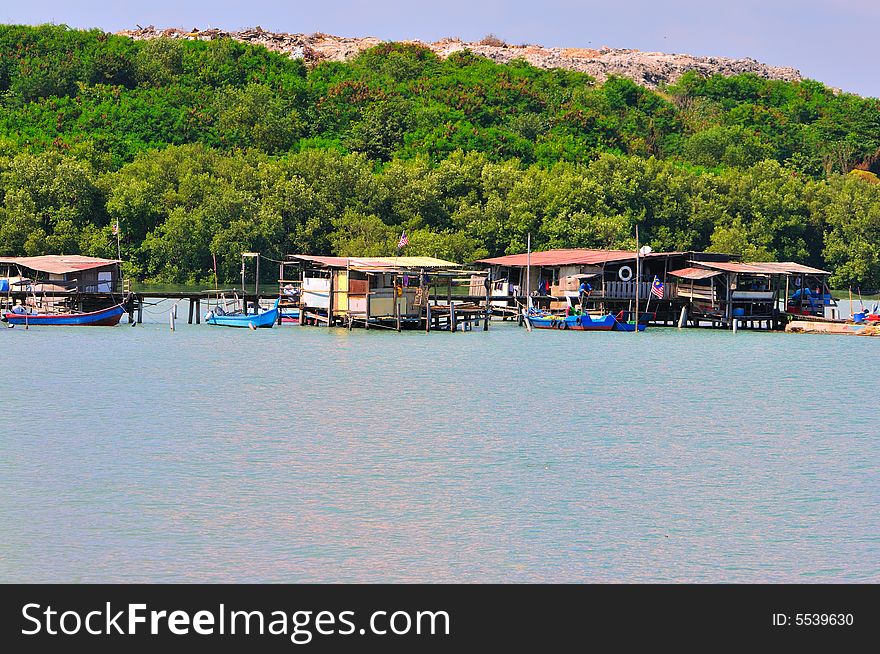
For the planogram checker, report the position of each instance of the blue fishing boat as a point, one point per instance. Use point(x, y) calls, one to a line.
point(622, 323)
point(104, 317)
point(583, 323)
point(268, 318)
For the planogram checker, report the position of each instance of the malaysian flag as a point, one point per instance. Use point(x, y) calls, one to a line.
point(404, 240)
point(657, 288)
point(116, 228)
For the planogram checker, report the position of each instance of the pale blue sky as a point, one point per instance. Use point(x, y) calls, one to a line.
point(829, 40)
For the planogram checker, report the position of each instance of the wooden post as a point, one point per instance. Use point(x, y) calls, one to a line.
point(397, 300)
point(728, 281)
point(243, 289)
point(192, 305)
point(198, 311)
point(140, 318)
point(426, 298)
point(333, 279)
point(488, 287)
point(367, 316)
point(451, 315)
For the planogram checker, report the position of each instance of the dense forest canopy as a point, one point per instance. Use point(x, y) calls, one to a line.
point(215, 147)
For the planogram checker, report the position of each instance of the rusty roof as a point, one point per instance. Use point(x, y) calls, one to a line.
point(377, 263)
point(694, 273)
point(571, 257)
point(59, 264)
point(762, 267)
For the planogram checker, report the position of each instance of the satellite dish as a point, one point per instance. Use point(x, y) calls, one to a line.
point(645, 250)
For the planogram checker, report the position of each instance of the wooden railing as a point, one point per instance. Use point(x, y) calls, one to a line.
point(627, 290)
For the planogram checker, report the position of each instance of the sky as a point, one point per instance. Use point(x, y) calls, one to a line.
point(827, 40)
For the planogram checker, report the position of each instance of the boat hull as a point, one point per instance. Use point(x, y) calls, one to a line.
point(574, 323)
point(290, 316)
point(628, 327)
point(622, 322)
point(103, 318)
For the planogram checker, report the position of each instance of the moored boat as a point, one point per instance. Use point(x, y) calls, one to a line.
point(264, 319)
point(623, 323)
point(289, 316)
point(103, 317)
point(583, 322)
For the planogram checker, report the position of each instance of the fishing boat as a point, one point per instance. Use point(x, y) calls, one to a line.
point(583, 323)
point(290, 315)
point(623, 323)
point(267, 318)
point(104, 317)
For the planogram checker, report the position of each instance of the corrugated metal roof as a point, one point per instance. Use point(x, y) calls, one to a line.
point(373, 263)
point(403, 262)
point(570, 257)
point(59, 264)
point(763, 267)
point(694, 273)
point(332, 262)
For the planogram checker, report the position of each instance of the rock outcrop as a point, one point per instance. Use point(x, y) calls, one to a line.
point(649, 69)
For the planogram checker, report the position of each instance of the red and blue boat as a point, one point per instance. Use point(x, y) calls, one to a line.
point(623, 323)
point(582, 323)
point(103, 317)
point(289, 316)
point(587, 323)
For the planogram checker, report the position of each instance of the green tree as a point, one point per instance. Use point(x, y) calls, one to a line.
point(256, 117)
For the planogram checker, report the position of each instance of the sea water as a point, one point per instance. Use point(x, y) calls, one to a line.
point(307, 454)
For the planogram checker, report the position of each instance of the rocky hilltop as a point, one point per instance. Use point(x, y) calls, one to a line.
point(646, 68)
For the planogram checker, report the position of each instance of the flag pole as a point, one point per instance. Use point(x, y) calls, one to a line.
point(119, 258)
point(529, 272)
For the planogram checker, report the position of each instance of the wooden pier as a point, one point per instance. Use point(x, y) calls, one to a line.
point(444, 312)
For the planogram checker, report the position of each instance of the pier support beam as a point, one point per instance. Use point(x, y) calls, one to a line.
point(488, 310)
point(192, 305)
point(198, 311)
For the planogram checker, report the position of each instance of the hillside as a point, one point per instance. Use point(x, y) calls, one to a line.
point(214, 146)
point(649, 69)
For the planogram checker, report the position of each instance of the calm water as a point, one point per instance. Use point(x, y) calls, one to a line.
point(307, 454)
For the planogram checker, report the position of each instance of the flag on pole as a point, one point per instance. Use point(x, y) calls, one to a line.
point(657, 288)
point(116, 228)
point(404, 240)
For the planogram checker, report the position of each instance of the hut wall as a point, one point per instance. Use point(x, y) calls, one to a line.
point(340, 292)
point(316, 292)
